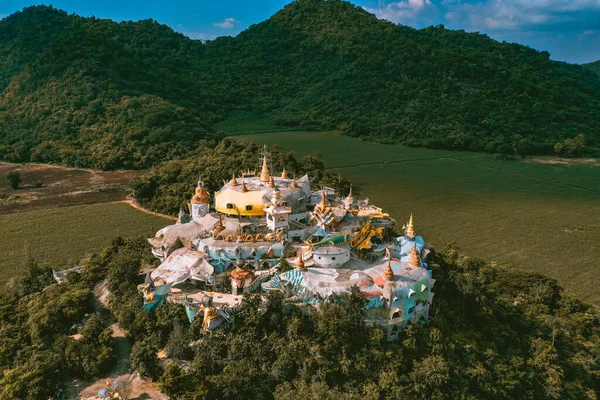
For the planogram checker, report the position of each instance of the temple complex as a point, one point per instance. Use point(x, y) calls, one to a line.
point(269, 232)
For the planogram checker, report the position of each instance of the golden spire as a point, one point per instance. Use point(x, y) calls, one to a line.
point(284, 174)
point(264, 173)
point(244, 188)
point(300, 262)
point(271, 182)
point(410, 229)
point(294, 184)
point(220, 227)
point(323, 204)
point(414, 258)
point(350, 193)
point(388, 273)
point(234, 181)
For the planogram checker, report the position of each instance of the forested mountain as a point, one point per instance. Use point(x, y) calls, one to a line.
point(593, 66)
point(90, 92)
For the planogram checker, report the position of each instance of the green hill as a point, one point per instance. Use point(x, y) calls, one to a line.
point(593, 66)
point(90, 92)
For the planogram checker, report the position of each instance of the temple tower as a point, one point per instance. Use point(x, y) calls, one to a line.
point(200, 203)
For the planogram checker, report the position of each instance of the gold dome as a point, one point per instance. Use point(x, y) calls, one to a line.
point(241, 274)
point(410, 229)
point(234, 181)
point(284, 174)
point(388, 273)
point(414, 258)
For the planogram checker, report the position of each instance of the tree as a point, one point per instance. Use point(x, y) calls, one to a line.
point(144, 359)
point(13, 179)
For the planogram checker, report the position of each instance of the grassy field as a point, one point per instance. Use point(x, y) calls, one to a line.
point(59, 237)
point(540, 213)
point(244, 122)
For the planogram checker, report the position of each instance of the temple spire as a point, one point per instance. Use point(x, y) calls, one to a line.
point(244, 188)
point(388, 273)
point(284, 174)
point(271, 182)
point(410, 229)
point(264, 173)
point(294, 184)
point(234, 181)
point(414, 257)
point(300, 262)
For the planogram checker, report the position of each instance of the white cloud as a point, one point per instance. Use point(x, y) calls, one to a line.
point(405, 11)
point(522, 14)
point(227, 23)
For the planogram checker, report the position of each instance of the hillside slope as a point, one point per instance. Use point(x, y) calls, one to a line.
point(95, 93)
point(593, 66)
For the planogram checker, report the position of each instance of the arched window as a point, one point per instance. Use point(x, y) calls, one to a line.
point(229, 206)
point(248, 207)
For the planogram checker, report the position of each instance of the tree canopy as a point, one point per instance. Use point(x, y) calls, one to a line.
point(95, 93)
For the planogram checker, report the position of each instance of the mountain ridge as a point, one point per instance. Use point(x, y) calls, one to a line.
point(94, 93)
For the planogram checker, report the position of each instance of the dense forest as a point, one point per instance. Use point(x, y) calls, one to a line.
point(94, 93)
point(593, 66)
point(494, 333)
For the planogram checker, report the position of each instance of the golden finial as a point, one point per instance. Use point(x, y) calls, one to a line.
point(323, 204)
point(220, 227)
point(234, 181)
point(388, 273)
point(271, 182)
point(350, 193)
point(414, 258)
point(294, 184)
point(264, 173)
point(244, 188)
point(410, 229)
point(300, 262)
point(284, 174)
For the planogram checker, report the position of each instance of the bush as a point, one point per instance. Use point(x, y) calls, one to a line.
point(13, 179)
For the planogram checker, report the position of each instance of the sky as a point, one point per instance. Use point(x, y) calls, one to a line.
point(568, 29)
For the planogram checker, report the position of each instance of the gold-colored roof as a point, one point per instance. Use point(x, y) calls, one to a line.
point(388, 273)
point(234, 181)
point(201, 196)
point(410, 229)
point(284, 174)
point(414, 258)
point(241, 273)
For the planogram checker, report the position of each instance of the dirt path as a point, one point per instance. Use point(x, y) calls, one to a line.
point(135, 205)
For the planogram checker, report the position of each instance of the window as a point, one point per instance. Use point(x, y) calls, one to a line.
point(248, 207)
point(285, 203)
point(411, 310)
point(333, 258)
point(229, 205)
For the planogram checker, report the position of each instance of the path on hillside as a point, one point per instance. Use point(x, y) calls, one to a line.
point(135, 205)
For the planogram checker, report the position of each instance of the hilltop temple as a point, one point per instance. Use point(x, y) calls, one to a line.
point(272, 232)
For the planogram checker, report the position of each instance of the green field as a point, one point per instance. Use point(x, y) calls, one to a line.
point(60, 237)
point(531, 213)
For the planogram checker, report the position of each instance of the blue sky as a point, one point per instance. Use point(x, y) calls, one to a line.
point(568, 29)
